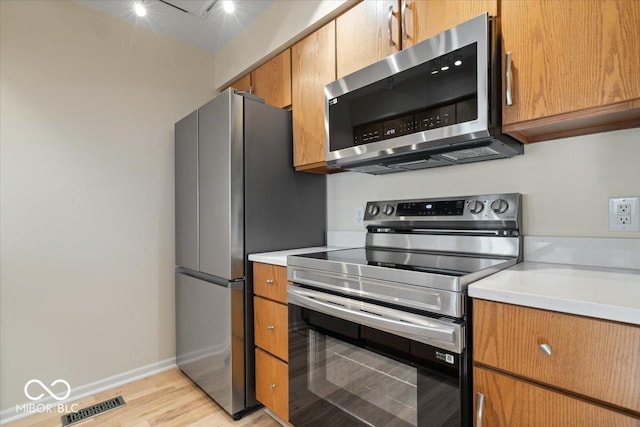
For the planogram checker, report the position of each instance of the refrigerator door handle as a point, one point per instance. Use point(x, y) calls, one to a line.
point(213, 280)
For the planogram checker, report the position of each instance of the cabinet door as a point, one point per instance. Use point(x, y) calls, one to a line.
point(365, 34)
point(507, 401)
point(574, 66)
point(426, 18)
point(272, 383)
point(313, 65)
point(272, 80)
point(243, 84)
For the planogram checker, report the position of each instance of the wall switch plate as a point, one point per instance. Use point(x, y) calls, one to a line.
point(624, 213)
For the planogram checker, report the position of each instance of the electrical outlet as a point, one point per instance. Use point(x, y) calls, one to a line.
point(359, 215)
point(623, 219)
point(623, 209)
point(624, 213)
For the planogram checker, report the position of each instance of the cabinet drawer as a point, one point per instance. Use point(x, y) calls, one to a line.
point(271, 327)
point(594, 358)
point(272, 383)
point(270, 281)
point(511, 402)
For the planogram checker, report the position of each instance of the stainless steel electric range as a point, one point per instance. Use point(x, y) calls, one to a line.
point(381, 335)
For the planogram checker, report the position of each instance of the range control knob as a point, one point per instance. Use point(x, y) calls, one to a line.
point(476, 206)
point(388, 210)
point(499, 206)
point(373, 210)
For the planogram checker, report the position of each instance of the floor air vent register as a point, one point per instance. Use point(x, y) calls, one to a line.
point(91, 411)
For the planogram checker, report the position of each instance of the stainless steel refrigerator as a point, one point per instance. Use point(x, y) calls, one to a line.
point(236, 193)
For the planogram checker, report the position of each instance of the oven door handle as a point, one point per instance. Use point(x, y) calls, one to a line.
point(408, 325)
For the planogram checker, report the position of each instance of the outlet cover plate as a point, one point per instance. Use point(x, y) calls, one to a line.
point(624, 213)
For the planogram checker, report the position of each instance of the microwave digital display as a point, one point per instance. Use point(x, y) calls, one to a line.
point(431, 118)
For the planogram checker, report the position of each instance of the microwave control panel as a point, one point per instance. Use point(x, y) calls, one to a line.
point(420, 121)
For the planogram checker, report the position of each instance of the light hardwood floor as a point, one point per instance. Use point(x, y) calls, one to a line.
point(166, 399)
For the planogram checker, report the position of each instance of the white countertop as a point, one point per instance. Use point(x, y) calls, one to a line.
point(280, 257)
point(605, 293)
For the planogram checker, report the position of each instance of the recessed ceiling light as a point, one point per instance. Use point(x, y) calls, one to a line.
point(445, 68)
point(457, 63)
point(139, 9)
point(228, 6)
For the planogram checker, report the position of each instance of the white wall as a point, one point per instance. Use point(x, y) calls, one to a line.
point(565, 184)
point(88, 104)
point(284, 22)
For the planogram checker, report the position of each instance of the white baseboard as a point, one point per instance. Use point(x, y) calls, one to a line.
point(10, 414)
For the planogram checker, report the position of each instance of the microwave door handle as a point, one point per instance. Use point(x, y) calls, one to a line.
point(389, 18)
point(375, 320)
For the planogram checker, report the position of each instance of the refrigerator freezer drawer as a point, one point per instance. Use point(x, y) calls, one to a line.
point(210, 338)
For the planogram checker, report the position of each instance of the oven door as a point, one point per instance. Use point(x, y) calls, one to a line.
point(353, 363)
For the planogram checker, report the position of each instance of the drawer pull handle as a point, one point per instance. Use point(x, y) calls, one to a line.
point(480, 409)
point(270, 328)
point(272, 387)
point(546, 349)
point(269, 281)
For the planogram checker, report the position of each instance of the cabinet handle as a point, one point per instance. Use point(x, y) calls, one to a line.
point(546, 349)
point(507, 77)
point(480, 412)
point(270, 328)
point(403, 14)
point(269, 281)
point(391, 43)
point(272, 387)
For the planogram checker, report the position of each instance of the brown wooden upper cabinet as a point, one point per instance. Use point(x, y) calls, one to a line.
point(426, 18)
point(365, 34)
point(243, 84)
point(574, 67)
point(272, 80)
point(313, 65)
point(374, 29)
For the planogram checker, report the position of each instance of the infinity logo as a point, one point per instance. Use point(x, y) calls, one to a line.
point(52, 394)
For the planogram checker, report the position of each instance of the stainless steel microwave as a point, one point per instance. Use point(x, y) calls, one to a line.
point(436, 103)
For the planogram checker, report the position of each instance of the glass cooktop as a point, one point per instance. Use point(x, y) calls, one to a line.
point(445, 264)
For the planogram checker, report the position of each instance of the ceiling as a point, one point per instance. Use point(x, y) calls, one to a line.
point(202, 23)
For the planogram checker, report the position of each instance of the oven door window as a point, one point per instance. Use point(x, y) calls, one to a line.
point(335, 380)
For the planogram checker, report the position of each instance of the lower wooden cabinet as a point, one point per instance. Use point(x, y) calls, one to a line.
point(271, 331)
point(272, 383)
point(543, 368)
point(502, 400)
point(586, 356)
